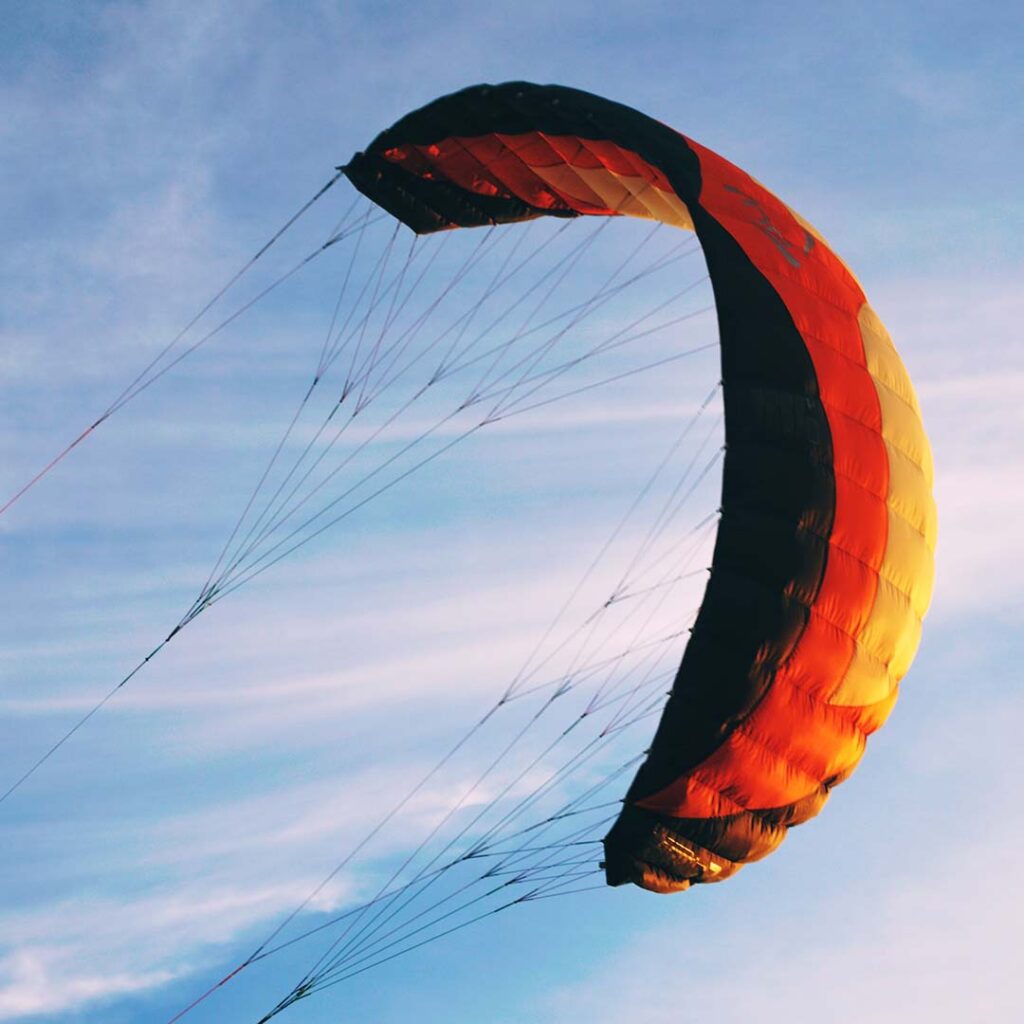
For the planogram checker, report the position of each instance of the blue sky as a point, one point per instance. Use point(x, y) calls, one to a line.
point(148, 150)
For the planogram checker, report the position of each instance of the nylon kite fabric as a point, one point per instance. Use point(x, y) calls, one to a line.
point(823, 562)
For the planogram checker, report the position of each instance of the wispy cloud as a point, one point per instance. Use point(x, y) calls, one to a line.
point(922, 925)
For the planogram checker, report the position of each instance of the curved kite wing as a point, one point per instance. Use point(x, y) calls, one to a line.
point(823, 562)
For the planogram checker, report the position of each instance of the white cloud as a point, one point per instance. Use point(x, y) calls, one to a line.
point(942, 947)
point(235, 692)
point(203, 881)
point(961, 341)
point(912, 922)
point(39, 979)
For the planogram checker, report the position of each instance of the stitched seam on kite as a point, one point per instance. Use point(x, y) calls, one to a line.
point(691, 777)
point(492, 173)
point(885, 500)
point(832, 542)
point(886, 440)
point(853, 733)
point(637, 195)
point(788, 273)
point(568, 165)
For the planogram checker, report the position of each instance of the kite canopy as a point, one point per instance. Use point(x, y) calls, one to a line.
point(823, 562)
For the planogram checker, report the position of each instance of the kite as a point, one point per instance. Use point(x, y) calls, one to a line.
point(823, 562)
